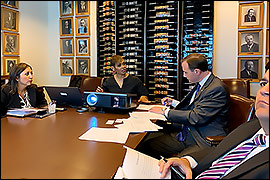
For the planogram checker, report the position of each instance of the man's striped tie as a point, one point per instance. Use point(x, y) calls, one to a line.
point(217, 170)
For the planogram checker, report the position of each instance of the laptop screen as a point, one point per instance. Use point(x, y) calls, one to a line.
point(65, 96)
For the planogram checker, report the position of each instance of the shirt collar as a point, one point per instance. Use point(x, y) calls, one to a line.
point(202, 82)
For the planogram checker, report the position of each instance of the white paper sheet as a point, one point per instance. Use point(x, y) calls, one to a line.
point(106, 135)
point(137, 165)
point(147, 115)
point(147, 107)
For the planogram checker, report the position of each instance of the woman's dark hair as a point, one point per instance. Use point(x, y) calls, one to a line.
point(196, 61)
point(14, 75)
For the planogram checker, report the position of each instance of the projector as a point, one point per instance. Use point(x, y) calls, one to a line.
point(110, 100)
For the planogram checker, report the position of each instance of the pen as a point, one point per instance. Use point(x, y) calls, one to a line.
point(174, 169)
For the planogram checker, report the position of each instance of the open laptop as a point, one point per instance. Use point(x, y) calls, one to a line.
point(65, 96)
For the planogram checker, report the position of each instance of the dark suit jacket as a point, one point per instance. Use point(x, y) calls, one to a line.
point(252, 75)
point(252, 19)
point(256, 167)
point(254, 48)
point(9, 100)
point(207, 114)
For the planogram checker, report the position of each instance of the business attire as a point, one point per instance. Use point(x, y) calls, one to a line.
point(253, 48)
point(205, 116)
point(250, 18)
point(131, 84)
point(248, 74)
point(255, 167)
point(8, 100)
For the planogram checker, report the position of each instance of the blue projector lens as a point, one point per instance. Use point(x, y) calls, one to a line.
point(92, 99)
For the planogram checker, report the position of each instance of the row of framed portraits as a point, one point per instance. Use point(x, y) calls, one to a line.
point(250, 42)
point(251, 15)
point(82, 46)
point(82, 26)
point(67, 66)
point(250, 68)
point(81, 8)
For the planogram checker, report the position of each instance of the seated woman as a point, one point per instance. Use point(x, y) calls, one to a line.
point(122, 82)
point(19, 92)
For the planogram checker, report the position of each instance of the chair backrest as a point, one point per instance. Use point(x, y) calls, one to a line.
point(238, 86)
point(91, 83)
point(76, 80)
point(241, 110)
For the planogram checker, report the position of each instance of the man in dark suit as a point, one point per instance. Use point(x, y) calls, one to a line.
point(255, 165)
point(198, 115)
point(248, 72)
point(250, 16)
point(250, 45)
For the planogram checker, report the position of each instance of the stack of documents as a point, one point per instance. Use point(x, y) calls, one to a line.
point(22, 112)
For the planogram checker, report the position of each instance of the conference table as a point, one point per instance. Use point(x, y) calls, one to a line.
point(50, 148)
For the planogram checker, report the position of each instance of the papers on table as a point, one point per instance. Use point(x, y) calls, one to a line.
point(147, 107)
point(22, 112)
point(147, 115)
point(106, 134)
point(137, 165)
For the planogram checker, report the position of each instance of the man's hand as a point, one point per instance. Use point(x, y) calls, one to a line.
point(158, 110)
point(166, 101)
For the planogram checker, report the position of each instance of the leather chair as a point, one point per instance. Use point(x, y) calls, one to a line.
point(76, 80)
point(238, 86)
point(241, 110)
point(91, 83)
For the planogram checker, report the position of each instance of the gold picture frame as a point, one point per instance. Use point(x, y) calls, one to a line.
point(82, 66)
point(12, 4)
point(11, 43)
point(250, 15)
point(267, 16)
point(67, 46)
point(250, 42)
point(66, 66)
point(82, 25)
point(66, 26)
point(9, 62)
point(82, 46)
point(9, 19)
point(66, 8)
point(249, 68)
point(267, 41)
point(82, 7)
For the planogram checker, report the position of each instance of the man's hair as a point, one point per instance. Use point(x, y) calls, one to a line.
point(116, 59)
point(247, 62)
point(196, 61)
point(248, 35)
point(250, 10)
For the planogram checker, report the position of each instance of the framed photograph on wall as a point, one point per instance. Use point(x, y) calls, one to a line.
point(250, 42)
point(66, 66)
point(249, 68)
point(83, 46)
point(82, 25)
point(67, 46)
point(82, 7)
point(10, 19)
point(9, 62)
point(13, 4)
point(66, 8)
point(66, 26)
point(250, 15)
point(267, 15)
point(83, 66)
point(11, 43)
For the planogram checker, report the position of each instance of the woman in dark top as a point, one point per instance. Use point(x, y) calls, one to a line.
point(19, 92)
point(122, 82)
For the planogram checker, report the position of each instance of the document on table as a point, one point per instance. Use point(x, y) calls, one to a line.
point(106, 135)
point(137, 165)
point(147, 107)
point(147, 115)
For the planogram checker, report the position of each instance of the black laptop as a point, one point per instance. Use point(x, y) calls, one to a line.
point(65, 96)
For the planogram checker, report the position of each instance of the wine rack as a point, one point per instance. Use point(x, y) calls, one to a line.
point(162, 49)
point(106, 36)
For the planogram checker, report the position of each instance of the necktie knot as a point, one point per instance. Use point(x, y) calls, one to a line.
point(260, 140)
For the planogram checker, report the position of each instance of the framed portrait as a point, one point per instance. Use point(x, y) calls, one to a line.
point(10, 43)
point(249, 68)
point(250, 15)
point(250, 42)
point(66, 8)
point(267, 41)
point(66, 26)
point(267, 16)
point(82, 7)
point(9, 62)
point(13, 4)
point(82, 25)
point(67, 46)
point(66, 66)
point(83, 66)
point(82, 46)
point(10, 19)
